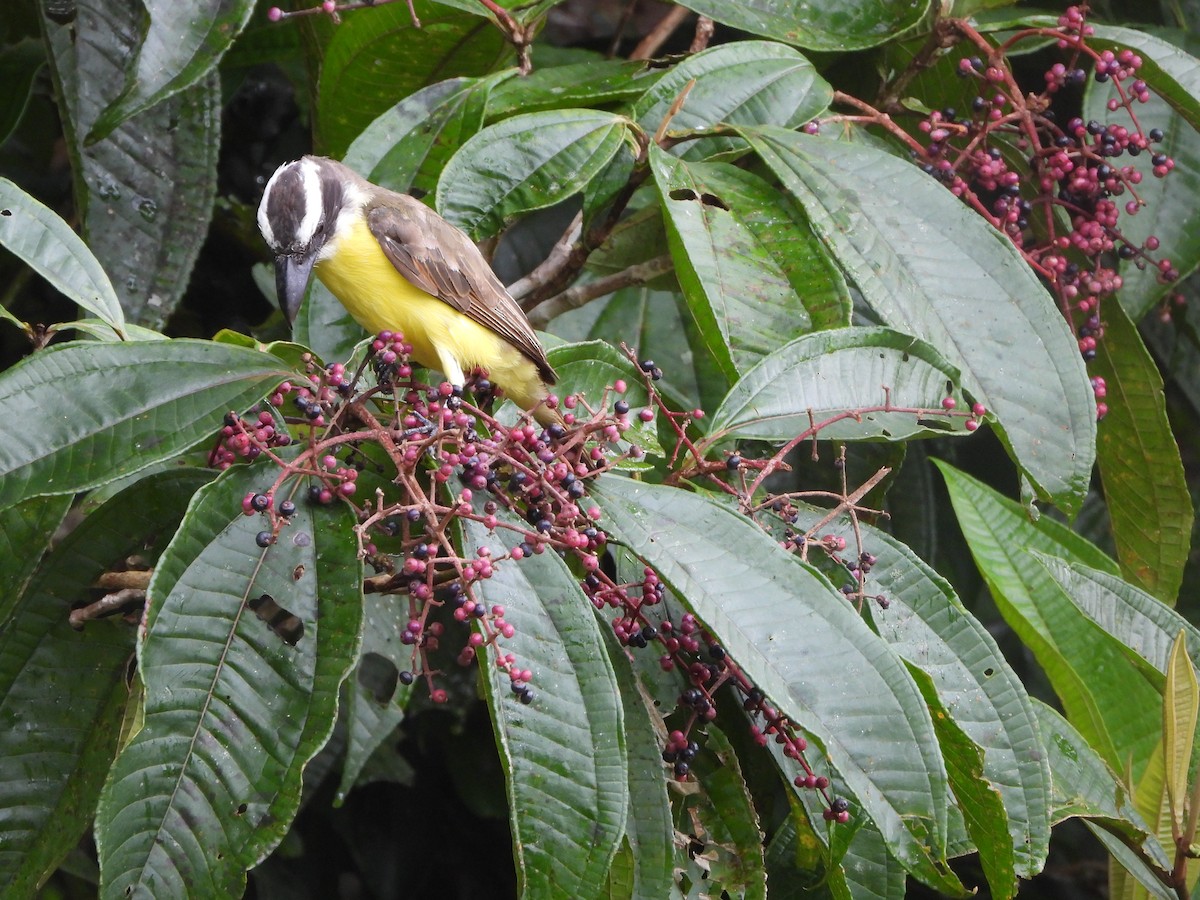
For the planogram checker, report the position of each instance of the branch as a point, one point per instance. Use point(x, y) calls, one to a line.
point(652, 43)
point(580, 294)
point(547, 270)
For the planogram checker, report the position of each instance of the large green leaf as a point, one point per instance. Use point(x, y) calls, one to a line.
point(407, 146)
point(182, 44)
point(48, 245)
point(932, 268)
point(1085, 787)
point(1138, 620)
point(548, 157)
point(145, 193)
point(25, 533)
point(233, 711)
point(830, 377)
point(564, 754)
point(377, 55)
point(1104, 694)
point(1144, 485)
point(928, 626)
point(753, 273)
point(648, 828)
point(376, 699)
point(788, 629)
point(63, 690)
point(597, 82)
point(740, 83)
point(1168, 214)
point(837, 26)
point(114, 409)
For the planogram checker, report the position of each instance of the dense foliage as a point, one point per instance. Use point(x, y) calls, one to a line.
point(851, 572)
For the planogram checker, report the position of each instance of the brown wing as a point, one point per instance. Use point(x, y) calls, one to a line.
point(441, 260)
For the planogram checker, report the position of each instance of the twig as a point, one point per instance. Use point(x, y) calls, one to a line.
point(704, 33)
point(106, 605)
point(545, 271)
point(652, 43)
point(138, 579)
point(580, 294)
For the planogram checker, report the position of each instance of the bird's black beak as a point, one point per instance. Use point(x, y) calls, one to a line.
point(292, 271)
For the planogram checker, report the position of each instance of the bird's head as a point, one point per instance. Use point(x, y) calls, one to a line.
point(299, 217)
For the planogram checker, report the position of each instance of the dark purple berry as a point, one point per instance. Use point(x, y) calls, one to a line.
point(287, 509)
point(264, 539)
point(260, 502)
point(620, 407)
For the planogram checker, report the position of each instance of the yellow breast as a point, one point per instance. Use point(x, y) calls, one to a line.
point(380, 299)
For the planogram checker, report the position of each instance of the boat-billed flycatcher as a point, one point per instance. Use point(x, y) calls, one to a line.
point(396, 265)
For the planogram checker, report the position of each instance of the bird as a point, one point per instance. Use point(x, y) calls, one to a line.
point(396, 265)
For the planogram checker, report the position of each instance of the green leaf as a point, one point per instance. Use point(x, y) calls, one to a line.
point(928, 626)
point(233, 711)
point(129, 405)
point(1104, 694)
point(1181, 702)
point(1083, 784)
point(63, 690)
point(547, 157)
point(721, 819)
point(1140, 468)
point(564, 754)
point(1143, 624)
point(1167, 214)
point(981, 803)
point(871, 724)
point(376, 698)
point(594, 83)
point(406, 147)
point(836, 26)
point(25, 534)
point(183, 43)
point(376, 55)
point(753, 273)
point(844, 383)
point(48, 245)
point(588, 367)
point(145, 193)
point(932, 268)
point(740, 83)
point(649, 833)
point(20, 64)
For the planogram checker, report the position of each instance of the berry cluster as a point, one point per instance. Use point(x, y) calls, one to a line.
point(1058, 191)
point(435, 459)
point(1013, 161)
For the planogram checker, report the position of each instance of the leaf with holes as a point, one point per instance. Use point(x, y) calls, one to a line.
point(753, 273)
point(238, 699)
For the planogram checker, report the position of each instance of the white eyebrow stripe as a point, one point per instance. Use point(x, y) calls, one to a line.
point(264, 224)
point(313, 202)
